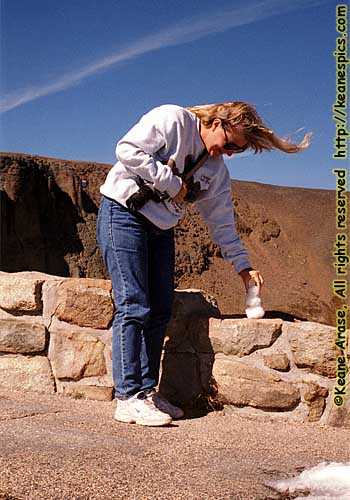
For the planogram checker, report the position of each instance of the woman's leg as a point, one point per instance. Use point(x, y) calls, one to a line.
point(123, 240)
point(161, 262)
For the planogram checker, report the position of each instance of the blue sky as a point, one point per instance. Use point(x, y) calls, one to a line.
point(77, 74)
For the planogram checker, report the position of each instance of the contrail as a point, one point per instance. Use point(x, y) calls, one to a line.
point(177, 34)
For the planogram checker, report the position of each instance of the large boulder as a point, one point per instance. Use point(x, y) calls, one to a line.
point(188, 354)
point(243, 385)
point(314, 396)
point(182, 380)
point(85, 302)
point(243, 336)
point(19, 336)
point(79, 390)
point(23, 372)
point(313, 347)
point(75, 354)
point(339, 416)
point(20, 293)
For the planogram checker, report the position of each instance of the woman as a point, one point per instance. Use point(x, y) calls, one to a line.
point(143, 198)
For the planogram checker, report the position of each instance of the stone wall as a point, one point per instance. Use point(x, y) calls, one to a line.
point(55, 336)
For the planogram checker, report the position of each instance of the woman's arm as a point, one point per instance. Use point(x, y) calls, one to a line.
point(162, 130)
point(215, 206)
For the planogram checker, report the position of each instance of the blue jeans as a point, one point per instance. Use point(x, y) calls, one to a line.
point(140, 261)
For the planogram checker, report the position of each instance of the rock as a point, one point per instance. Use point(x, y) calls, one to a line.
point(180, 380)
point(26, 372)
point(75, 355)
point(188, 335)
point(243, 385)
point(312, 392)
point(205, 363)
point(313, 347)
point(315, 398)
point(20, 293)
point(243, 336)
point(316, 409)
point(188, 329)
point(277, 361)
point(18, 336)
point(339, 416)
point(85, 302)
point(87, 391)
point(269, 229)
point(192, 302)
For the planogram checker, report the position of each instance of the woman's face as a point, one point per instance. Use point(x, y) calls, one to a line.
point(216, 137)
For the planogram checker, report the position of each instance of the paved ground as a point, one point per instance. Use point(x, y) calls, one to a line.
point(53, 447)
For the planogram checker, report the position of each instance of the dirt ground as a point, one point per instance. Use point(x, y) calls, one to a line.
point(56, 448)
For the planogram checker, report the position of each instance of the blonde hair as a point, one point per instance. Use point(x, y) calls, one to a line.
point(241, 114)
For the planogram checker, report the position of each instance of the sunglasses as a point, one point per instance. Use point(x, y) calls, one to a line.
point(232, 146)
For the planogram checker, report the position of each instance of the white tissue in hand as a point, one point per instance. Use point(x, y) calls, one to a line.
point(254, 308)
point(255, 312)
point(253, 301)
point(253, 292)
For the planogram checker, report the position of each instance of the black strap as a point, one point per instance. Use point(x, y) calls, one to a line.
point(189, 172)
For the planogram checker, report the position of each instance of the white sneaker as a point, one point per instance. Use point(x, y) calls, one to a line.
point(140, 410)
point(163, 405)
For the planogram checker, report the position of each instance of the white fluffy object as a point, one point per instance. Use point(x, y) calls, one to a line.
point(254, 309)
point(325, 481)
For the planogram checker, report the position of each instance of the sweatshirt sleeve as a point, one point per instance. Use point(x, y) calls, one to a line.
point(215, 206)
point(137, 148)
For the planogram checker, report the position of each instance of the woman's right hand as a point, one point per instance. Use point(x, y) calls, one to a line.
point(248, 274)
point(179, 198)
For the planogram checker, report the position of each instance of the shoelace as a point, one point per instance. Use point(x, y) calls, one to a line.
point(150, 404)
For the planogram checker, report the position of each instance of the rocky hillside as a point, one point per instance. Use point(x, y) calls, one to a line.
point(48, 218)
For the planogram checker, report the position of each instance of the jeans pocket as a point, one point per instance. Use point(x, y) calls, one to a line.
point(126, 232)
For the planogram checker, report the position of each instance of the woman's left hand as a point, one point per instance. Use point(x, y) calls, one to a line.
point(252, 274)
point(179, 198)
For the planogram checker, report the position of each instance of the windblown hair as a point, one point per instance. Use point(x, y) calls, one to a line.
point(240, 114)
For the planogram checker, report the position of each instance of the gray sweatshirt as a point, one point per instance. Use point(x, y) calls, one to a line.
point(166, 133)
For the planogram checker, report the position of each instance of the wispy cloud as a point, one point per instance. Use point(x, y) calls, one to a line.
point(177, 34)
